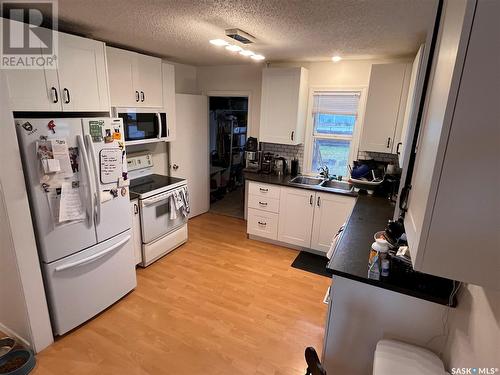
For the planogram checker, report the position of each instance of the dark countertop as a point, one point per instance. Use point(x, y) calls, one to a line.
point(285, 181)
point(350, 259)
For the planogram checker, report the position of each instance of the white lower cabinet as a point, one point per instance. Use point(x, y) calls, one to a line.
point(136, 230)
point(262, 224)
point(330, 213)
point(296, 216)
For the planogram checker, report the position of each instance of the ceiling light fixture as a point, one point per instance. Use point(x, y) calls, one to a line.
point(336, 58)
point(257, 57)
point(247, 52)
point(233, 48)
point(219, 42)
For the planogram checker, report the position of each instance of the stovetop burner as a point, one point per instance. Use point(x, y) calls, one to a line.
point(152, 182)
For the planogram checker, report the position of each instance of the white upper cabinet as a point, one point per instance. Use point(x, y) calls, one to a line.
point(295, 217)
point(168, 71)
point(330, 213)
point(43, 93)
point(283, 105)
point(79, 83)
point(135, 80)
point(385, 107)
point(411, 106)
point(453, 217)
point(82, 74)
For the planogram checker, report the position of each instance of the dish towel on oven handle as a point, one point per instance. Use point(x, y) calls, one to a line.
point(173, 210)
point(185, 199)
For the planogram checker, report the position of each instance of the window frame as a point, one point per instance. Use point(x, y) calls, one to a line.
point(309, 132)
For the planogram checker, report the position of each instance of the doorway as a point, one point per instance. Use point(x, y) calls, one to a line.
point(228, 122)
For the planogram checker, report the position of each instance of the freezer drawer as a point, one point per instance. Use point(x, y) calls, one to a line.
point(82, 285)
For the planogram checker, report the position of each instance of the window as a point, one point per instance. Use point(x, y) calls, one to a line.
point(334, 120)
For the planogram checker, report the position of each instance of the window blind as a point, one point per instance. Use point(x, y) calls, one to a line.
point(342, 103)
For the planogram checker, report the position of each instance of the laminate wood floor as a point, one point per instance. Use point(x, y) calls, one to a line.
point(220, 304)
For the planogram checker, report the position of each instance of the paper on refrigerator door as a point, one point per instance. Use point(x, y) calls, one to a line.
point(70, 204)
point(55, 159)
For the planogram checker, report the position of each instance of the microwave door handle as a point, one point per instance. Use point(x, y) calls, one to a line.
point(90, 145)
point(159, 124)
point(90, 207)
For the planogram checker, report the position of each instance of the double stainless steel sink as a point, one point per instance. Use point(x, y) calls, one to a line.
point(331, 185)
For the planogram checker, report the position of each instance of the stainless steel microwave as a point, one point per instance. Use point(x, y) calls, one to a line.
point(144, 126)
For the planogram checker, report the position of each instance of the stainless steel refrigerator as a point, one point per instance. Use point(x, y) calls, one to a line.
point(75, 172)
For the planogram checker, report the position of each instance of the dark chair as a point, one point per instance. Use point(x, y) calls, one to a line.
point(313, 364)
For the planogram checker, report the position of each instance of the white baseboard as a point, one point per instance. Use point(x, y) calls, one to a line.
point(6, 330)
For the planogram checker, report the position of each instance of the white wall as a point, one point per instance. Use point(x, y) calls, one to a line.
point(235, 78)
point(474, 339)
point(186, 79)
point(23, 307)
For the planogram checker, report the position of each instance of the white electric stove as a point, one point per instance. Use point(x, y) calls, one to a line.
point(161, 230)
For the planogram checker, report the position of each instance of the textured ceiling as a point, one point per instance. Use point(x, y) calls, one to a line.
point(285, 30)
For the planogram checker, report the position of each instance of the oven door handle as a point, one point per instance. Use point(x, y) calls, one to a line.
point(153, 200)
point(158, 117)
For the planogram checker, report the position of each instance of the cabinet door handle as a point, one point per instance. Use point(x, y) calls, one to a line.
point(292, 135)
point(388, 142)
point(175, 167)
point(311, 200)
point(318, 202)
point(264, 190)
point(263, 203)
point(55, 97)
point(261, 223)
point(66, 96)
point(142, 96)
point(136, 96)
point(397, 148)
point(136, 209)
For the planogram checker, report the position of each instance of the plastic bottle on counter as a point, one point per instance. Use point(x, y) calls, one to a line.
point(378, 259)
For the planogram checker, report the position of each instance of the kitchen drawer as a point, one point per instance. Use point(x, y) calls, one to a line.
point(264, 190)
point(262, 223)
point(263, 203)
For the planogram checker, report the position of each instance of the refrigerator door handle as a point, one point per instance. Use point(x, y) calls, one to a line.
point(90, 144)
point(86, 164)
point(94, 257)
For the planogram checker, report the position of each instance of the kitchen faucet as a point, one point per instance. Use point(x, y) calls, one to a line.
point(324, 171)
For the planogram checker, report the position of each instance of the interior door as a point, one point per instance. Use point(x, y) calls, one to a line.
point(296, 216)
point(82, 74)
point(330, 213)
point(189, 155)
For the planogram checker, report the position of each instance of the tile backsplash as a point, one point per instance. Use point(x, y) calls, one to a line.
point(289, 152)
point(378, 156)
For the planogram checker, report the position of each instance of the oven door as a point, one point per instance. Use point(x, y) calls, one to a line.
point(156, 218)
point(144, 126)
